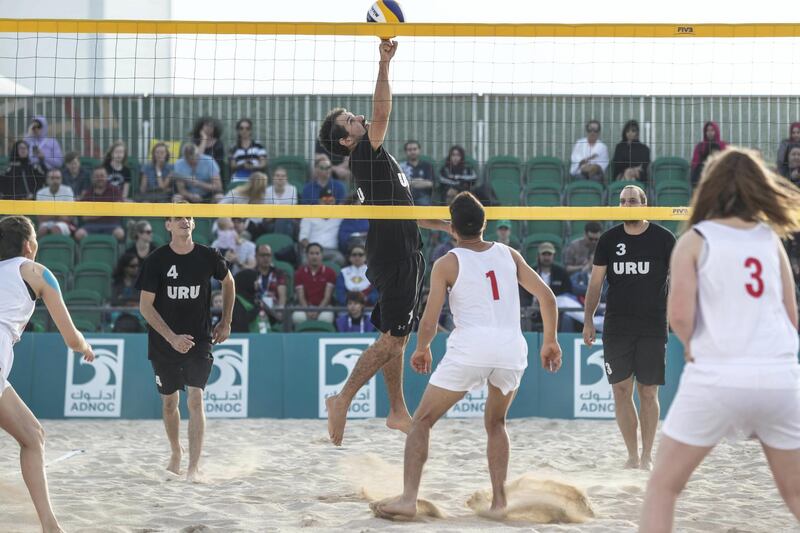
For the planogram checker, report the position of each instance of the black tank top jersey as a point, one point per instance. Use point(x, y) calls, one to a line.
point(637, 269)
point(182, 288)
point(380, 181)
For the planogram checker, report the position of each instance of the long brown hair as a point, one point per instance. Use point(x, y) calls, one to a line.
point(14, 231)
point(737, 183)
point(255, 188)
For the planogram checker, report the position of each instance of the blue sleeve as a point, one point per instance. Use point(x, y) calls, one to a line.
point(339, 191)
point(308, 190)
point(340, 293)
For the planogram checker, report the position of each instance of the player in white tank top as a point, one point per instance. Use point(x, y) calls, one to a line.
point(23, 282)
point(732, 302)
point(486, 345)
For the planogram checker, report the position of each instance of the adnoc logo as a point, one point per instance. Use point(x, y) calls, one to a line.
point(95, 389)
point(593, 395)
point(337, 358)
point(226, 393)
point(472, 405)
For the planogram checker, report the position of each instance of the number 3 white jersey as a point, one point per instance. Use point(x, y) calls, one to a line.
point(741, 318)
point(484, 301)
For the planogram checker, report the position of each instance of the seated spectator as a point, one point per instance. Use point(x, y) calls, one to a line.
point(123, 282)
point(352, 232)
point(340, 164)
point(116, 164)
point(141, 233)
point(197, 176)
point(322, 179)
point(456, 173)
point(314, 283)
point(216, 307)
point(45, 151)
point(419, 174)
point(281, 192)
point(75, 174)
point(238, 251)
point(247, 156)
point(791, 169)
point(353, 278)
point(355, 320)
point(23, 176)
point(589, 158)
point(55, 191)
point(503, 228)
point(101, 191)
point(323, 231)
point(251, 191)
point(270, 285)
point(207, 136)
point(631, 156)
point(156, 184)
point(711, 143)
point(556, 277)
point(579, 254)
point(783, 148)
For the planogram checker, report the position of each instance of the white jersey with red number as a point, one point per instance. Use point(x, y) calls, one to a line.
point(484, 301)
point(16, 306)
point(741, 318)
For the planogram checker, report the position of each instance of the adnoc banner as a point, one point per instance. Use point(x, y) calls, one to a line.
point(278, 375)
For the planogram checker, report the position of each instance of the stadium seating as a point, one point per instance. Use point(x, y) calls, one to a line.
point(545, 170)
point(615, 188)
point(504, 174)
point(99, 249)
point(530, 246)
point(669, 168)
point(673, 193)
point(542, 194)
point(314, 326)
point(84, 297)
point(296, 166)
point(61, 272)
point(94, 277)
point(276, 241)
point(555, 227)
point(56, 249)
point(584, 193)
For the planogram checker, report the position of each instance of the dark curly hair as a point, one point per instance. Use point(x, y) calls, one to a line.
point(198, 125)
point(330, 133)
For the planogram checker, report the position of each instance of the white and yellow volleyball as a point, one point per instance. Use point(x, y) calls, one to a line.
point(385, 11)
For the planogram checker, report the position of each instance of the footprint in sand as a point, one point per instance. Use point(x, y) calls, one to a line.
point(425, 509)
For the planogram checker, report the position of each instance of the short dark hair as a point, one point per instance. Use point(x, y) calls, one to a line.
point(594, 121)
point(330, 133)
point(14, 231)
point(318, 245)
point(71, 156)
point(412, 141)
point(356, 296)
point(467, 215)
point(592, 227)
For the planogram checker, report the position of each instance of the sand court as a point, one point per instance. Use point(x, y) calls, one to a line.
point(283, 475)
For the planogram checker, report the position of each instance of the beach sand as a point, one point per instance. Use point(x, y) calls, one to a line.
point(284, 475)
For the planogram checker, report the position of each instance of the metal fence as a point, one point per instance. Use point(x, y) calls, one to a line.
point(486, 124)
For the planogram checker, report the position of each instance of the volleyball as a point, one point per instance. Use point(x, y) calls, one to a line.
point(385, 11)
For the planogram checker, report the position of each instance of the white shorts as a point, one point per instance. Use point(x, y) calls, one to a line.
point(463, 378)
point(6, 360)
point(703, 414)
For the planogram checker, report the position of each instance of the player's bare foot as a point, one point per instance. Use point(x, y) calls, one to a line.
point(337, 418)
point(632, 462)
point(194, 475)
point(52, 528)
point(646, 463)
point(399, 421)
point(174, 465)
point(396, 508)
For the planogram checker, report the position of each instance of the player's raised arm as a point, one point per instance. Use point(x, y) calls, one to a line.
point(45, 284)
point(382, 99)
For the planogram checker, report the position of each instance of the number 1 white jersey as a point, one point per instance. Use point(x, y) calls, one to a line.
point(484, 301)
point(740, 317)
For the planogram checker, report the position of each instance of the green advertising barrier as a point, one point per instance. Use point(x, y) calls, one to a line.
point(290, 375)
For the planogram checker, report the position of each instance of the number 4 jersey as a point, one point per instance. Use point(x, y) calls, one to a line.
point(740, 314)
point(484, 301)
point(380, 181)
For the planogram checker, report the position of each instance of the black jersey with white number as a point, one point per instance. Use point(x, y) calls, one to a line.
point(182, 285)
point(637, 268)
point(380, 181)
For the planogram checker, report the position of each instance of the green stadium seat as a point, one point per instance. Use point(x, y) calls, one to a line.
point(202, 229)
point(94, 277)
point(56, 249)
point(555, 227)
point(3, 164)
point(86, 326)
point(333, 265)
point(669, 168)
point(615, 188)
point(503, 167)
point(673, 193)
point(84, 297)
point(542, 194)
point(159, 229)
point(584, 193)
point(545, 170)
point(201, 239)
point(530, 246)
point(314, 326)
point(507, 191)
point(90, 163)
point(99, 249)
point(288, 269)
point(276, 241)
point(675, 226)
point(516, 228)
point(297, 168)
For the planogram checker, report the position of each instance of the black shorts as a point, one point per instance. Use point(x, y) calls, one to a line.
point(399, 287)
point(641, 356)
point(174, 374)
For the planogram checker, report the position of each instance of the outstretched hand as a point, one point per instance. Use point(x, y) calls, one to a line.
point(387, 49)
point(422, 360)
point(551, 356)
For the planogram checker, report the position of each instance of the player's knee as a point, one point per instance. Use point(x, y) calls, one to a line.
point(664, 483)
point(422, 421)
point(195, 400)
point(788, 486)
point(623, 389)
point(33, 437)
point(170, 404)
point(648, 393)
point(494, 424)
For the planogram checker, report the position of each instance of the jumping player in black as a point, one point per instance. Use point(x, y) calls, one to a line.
point(394, 258)
point(176, 302)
